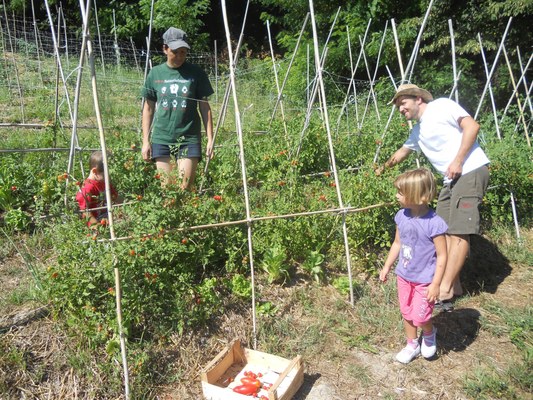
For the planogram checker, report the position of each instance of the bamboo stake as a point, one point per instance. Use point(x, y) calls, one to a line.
point(17, 77)
point(118, 289)
point(487, 84)
point(37, 47)
point(354, 71)
point(337, 211)
point(147, 65)
point(134, 54)
point(4, 58)
point(243, 167)
point(115, 42)
point(99, 37)
point(411, 64)
point(56, 101)
point(222, 111)
point(24, 30)
point(320, 83)
point(398, 51)
point(74, 143)
point(372, 79)
point(494, 110)
point(528, 93)
point(349, 99)
point(522, 79)
point(515, 89)
point(277, 86)
point(314, 90)
point(280, 91)
point(454, 64)
point(61, 16)
point(323, 62)
point(216, 71)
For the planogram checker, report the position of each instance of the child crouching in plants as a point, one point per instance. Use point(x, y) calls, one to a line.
point(420, 247)
point(92, 193)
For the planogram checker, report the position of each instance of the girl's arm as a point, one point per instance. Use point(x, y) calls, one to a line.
point(442, 256)
point(394, 252)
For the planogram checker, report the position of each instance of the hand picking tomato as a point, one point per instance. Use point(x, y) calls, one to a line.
point(248, 380)
point(245, 389)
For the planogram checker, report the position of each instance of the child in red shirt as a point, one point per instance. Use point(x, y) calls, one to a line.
point(92, 193)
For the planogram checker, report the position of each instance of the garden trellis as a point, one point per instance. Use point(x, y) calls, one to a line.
point(318, 89)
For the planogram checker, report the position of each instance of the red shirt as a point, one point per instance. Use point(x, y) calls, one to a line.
point(92, 195)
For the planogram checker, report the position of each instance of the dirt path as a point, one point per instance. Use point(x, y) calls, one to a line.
point(470, 339)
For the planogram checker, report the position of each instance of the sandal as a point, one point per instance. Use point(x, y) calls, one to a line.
point(443, 305)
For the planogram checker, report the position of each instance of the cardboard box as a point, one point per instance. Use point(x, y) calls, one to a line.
point(281, 377)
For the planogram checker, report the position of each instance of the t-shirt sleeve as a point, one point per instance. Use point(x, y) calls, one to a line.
point(204, 85)
point(412, 140)
point(438, 227)
point(457, 111)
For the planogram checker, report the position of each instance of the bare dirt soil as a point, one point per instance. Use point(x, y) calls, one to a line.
point(352, 359)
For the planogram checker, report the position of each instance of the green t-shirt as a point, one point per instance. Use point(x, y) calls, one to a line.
point(176, 92)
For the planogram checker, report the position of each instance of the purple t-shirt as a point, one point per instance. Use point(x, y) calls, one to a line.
point(418, 257)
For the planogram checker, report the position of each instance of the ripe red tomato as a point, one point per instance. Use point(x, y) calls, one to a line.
point(248, 380)
point(217, 198)
point(245, 389)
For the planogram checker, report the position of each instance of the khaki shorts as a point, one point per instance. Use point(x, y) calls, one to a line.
point(459, 202)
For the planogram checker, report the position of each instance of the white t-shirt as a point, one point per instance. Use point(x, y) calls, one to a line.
point(438, 134)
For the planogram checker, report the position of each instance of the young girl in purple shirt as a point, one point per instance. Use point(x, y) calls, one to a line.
point(420, 248)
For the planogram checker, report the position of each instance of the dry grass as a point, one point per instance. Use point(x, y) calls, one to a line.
point(350, 349)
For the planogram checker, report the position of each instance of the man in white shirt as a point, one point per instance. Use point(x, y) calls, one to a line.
point(447, 135)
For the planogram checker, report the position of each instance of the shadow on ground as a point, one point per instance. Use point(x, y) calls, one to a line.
point(456, 330)
point(307, 385)
point(486, 267)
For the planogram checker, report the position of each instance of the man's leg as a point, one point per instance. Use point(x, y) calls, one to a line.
point(165, 166)
point(187, 170)
point(458, 248)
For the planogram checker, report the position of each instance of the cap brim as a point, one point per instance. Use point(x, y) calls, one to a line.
point(176, 44)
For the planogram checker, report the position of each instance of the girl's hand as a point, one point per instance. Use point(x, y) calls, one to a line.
point(383, 274)
point(433, 293)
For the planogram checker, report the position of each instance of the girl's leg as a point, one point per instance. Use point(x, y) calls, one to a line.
point(412, 348)
point(405, 297)
point(429, 340)
point(410, 330)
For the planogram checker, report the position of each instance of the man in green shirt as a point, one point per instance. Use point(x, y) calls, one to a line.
point(174, 92)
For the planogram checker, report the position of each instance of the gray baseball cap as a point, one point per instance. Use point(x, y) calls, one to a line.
point(175, 38)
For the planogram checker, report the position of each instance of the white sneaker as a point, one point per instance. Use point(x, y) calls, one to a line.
point(408, 354)
point(429, 344)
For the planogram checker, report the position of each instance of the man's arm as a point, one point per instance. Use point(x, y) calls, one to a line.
point(399, 155)
point(470, 130)
point(207, 118)
point(147, 117)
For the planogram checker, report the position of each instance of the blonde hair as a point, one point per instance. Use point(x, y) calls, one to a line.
point(97, 161)
point(417, 186)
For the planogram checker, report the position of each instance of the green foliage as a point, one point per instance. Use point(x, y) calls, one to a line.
point(241, 287)
point(274, 264)
point(313, 265)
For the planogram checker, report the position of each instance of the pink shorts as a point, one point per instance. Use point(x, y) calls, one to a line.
point(413, 302)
